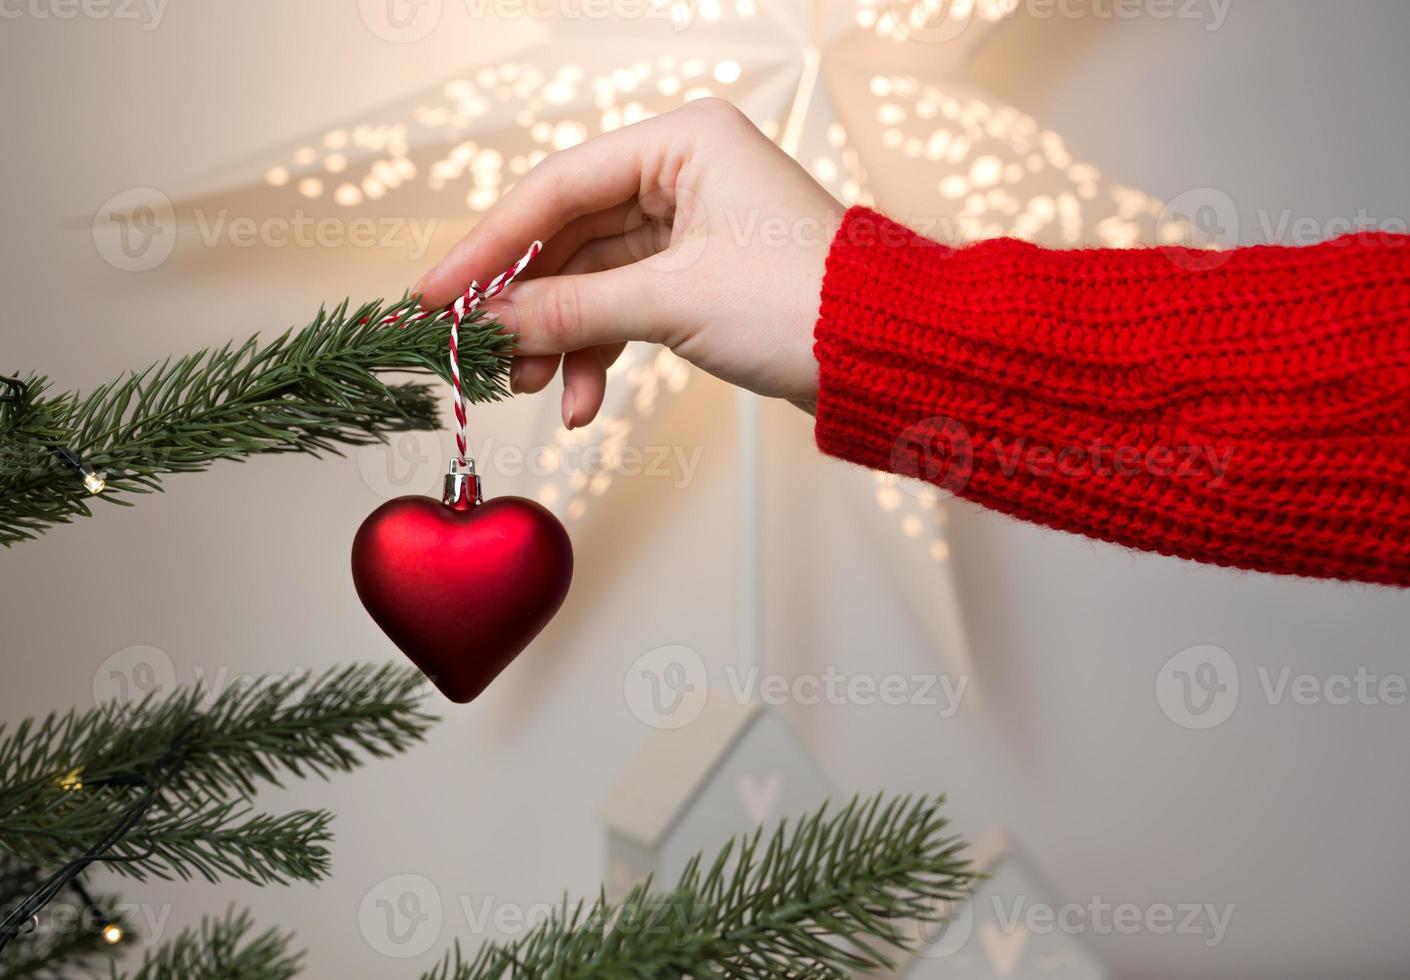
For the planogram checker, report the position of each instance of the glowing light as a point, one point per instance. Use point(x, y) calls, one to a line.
point(348, 195)
point(954, 187)
point(986, 171)
point(310, 187)
point(276, 176)
point(727, 72)
point(568, 134)
point(112, 934)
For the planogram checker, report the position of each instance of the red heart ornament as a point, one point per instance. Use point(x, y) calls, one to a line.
point(462, 588)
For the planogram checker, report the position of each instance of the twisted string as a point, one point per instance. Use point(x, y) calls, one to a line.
point(475, 295)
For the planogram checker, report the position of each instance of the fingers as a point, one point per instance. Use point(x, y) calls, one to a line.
point(530, 374)
point(584, 385)
point(593, 176)
point(566, 313)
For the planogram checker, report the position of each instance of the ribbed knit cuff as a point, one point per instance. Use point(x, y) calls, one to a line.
point(872, 349)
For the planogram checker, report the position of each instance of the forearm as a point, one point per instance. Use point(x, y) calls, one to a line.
point(1247, 409)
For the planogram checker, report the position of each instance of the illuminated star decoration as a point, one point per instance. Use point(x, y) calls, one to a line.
point(870, 95)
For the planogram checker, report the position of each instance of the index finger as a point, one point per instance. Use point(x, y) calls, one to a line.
point(591, 176)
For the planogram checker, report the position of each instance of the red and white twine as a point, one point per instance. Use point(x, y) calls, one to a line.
point(474, 297)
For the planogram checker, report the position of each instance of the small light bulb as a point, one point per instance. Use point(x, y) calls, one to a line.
point(72, 780)
point(112, 934)
point(95, 482)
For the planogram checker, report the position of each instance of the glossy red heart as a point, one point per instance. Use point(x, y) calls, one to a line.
point(462, 590)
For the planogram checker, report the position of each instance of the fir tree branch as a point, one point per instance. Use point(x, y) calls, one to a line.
point(223, 948)
point(67, 780)
point(819, 900)
point(195, 837)
point(311, 391)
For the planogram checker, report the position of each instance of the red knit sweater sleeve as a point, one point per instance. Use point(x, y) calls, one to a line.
point(1248, 408)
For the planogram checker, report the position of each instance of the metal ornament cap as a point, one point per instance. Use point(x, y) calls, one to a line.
point(462, 485)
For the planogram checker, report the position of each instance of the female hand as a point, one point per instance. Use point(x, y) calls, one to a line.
point(691, 229)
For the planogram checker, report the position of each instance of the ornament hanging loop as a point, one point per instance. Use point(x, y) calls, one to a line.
point(462, 485)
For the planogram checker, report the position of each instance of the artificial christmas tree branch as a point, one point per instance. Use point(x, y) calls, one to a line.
point(818, 900)
point(308, 391)
point(161, 787)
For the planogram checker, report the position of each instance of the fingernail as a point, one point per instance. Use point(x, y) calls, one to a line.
point(502, 312)
point(514, 370)
point(420, 286)
point(568, 409)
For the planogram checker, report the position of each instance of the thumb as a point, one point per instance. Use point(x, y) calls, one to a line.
point(559, 314)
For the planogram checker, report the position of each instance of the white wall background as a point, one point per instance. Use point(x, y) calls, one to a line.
point(1293, 814)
